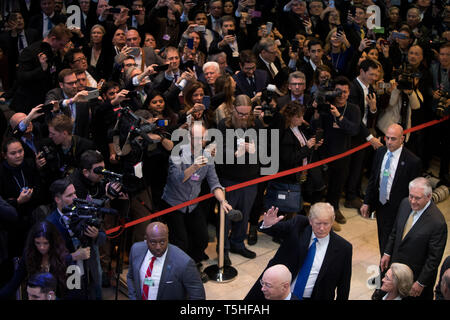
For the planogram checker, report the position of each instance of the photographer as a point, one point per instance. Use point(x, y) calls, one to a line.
point(91, 185)
point(72, 102)
point(340, 121)
point(63, 193)
point(62, 151)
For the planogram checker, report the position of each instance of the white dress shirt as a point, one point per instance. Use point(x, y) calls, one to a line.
point(419, 214)
point(392, 168)
point(366, 92)
point(270, 66)
point(321, 249)
point(156, 273)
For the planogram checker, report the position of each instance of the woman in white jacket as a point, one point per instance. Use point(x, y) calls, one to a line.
point(393, 113)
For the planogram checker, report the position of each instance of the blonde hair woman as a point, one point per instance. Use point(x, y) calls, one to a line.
point(397, 282)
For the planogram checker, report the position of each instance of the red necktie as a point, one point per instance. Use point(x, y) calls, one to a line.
point(148, 274)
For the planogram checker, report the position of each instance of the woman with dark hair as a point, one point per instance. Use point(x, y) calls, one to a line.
point(225, 84)
point(45, 251)
point(156, 103)
point(20, 186)
point(330, 18)
point(194, 110)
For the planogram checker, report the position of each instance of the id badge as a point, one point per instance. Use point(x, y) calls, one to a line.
point(195, 177)
point(386, 173)
point(149, 282)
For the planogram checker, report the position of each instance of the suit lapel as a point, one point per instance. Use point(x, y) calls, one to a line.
point(138, 265)
point(329, 256)
point(400, 167)
point(166, 272)
point(420, 222)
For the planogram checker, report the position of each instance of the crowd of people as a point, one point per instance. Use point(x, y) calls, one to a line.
point(106, 113)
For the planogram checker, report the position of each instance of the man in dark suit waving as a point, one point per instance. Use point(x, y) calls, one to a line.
point(320, 261)
point(393, 168)
point(161, 271)
point(418, 238)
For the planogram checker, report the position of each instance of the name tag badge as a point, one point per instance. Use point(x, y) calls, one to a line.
point(195, 177)
point(149, 282)
point(166, 37)
point(282, 196)
point(386, 173)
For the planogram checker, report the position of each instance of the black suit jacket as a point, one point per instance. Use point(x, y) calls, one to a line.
point(409, 167)
point(333, 280)
point(284, 100)
point(243, 86)
point(262, 66)
point(37, 22)
point(357, 97)
point(83, 118)
point(9, 44)
point(423, 246)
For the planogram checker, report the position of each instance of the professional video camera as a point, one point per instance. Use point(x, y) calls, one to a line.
point(84, 213)
point(128, 182)
point(405, 77)
point(140, 128)
point(267, 95)
point(324, 96)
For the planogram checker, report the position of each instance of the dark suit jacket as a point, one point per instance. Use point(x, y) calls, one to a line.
point(423, 246)
point(83, 118)
point(9, 44)
point(284, 100)
point(243, 86)
point(37, 22)
point(409, 168)
point(180, 279)
point(32, 82)
point(333, 280)
point(262, 66)
point(357, 97)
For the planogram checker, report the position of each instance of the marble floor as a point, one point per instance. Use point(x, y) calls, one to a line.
point(362, 233)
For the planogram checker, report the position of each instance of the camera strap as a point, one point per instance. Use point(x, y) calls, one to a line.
point(116, 141)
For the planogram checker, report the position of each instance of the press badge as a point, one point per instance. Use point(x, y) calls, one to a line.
point(138, 170)
point(282, 196)
point(195, 177)
point(149, 282)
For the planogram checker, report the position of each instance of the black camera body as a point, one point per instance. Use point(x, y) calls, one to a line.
point(85, 213)
point(324, 97)
point(49, 153)
point(405, 77)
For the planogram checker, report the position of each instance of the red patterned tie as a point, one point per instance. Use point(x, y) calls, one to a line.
point(148, 274)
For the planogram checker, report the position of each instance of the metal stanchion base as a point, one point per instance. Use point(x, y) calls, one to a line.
point(225, 274)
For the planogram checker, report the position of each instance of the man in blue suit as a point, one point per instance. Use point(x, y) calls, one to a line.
point(161, 271)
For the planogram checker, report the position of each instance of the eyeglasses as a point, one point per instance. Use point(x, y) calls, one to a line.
point(240, 114)
point(297, 84)
point(130, 65)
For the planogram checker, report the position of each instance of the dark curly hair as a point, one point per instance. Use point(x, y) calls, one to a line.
point(56, 255)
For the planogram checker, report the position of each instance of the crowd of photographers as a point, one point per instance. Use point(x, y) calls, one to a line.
point(89, 105)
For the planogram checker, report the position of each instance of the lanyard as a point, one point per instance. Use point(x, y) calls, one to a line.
point(23, 179)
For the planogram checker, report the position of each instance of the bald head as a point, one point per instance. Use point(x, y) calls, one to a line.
point(394, 137)
point(276, 282)
point(16, 118)
point(157, 238)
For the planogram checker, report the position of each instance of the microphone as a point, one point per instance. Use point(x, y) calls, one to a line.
point(103, 171)
point(235, 215)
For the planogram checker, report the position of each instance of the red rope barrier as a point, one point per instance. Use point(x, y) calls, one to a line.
point(267, 178)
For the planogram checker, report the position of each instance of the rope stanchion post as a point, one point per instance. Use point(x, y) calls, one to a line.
point(220, 272)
